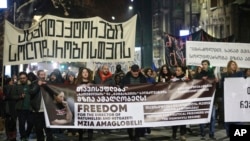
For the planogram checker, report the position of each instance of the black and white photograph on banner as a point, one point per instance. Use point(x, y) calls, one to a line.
point(59, 103)
point(144, 105)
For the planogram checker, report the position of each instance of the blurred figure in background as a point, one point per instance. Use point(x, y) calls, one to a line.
point(9, 91)
point(247, 72)
point(118, 69)
point(32, 77)
point(55, 77)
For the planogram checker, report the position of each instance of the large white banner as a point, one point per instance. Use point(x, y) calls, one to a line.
point(218, 53)
point(70, 40)
point(237, 99)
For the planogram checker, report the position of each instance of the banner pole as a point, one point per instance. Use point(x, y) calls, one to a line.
point(2, 76)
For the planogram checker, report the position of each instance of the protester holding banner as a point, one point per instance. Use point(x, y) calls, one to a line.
point(105, 77)
point(23, 106)
point(207, 73)
point(55, 77)
point(148, 72)
point(179, 76)
point(165, 74)
point(38, 108)
point(134, 76)
point(232, 71)
point(84, 77)
point(70, 80)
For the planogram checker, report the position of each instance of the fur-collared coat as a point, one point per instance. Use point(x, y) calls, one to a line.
point(23, 103)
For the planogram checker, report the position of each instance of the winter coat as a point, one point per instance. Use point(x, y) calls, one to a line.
point(23, 103)
point(126, 79)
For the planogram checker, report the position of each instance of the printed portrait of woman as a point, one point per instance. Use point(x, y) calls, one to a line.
point(58, 110)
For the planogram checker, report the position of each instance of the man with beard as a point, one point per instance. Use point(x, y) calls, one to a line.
point(105, 77)
point(38, 108)
point(23, 106)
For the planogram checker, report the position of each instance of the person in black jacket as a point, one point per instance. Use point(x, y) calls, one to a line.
point(134, 76)
point(180, 76)
point(207, 73)
point(38, 108)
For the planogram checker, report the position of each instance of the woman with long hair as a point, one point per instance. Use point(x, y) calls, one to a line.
point(232, 71)
point(165, 74)
point(70, 80)
point(179, 76)
point(148, 72)
point(84, 77)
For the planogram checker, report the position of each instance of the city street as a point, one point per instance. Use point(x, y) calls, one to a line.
point(127, 63)
point(157, 134)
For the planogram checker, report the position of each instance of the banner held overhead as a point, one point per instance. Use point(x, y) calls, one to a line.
point(74, 40)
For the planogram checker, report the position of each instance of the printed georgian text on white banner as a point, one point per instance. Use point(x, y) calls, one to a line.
point(218, 53)
point(237, 99)
point(70, 40)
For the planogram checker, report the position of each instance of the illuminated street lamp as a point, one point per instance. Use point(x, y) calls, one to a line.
point(130, 7)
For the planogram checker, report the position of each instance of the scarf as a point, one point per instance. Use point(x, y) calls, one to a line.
point(105, 77)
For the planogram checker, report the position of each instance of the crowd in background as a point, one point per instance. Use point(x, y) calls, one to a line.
point(20, 97)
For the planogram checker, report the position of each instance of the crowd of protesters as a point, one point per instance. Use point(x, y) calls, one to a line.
point(21, 100)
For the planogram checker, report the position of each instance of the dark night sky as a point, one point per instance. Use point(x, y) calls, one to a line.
point(76, 9)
